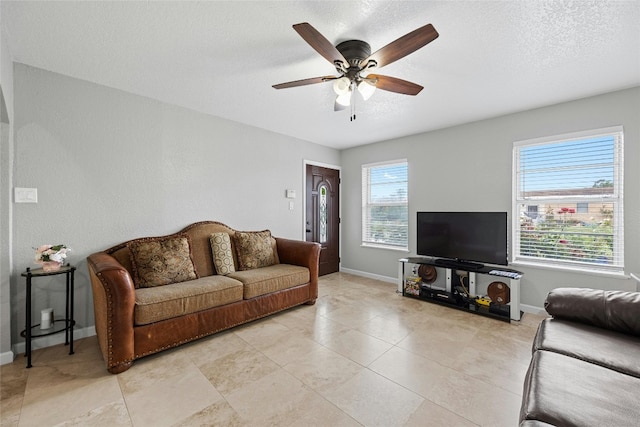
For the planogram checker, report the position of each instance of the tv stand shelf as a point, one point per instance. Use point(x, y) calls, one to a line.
point(449, 296)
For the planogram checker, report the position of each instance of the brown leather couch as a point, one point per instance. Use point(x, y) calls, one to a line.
point(124, 338)
point(585, 368)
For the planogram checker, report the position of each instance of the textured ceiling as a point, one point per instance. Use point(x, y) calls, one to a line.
point(221, 58)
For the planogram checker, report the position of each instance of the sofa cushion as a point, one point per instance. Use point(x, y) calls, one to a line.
point(610, 349)
point(166, 302)
point(253, 249)
point(270, 279)
point(222, 255)
point(614, 310)
point(160, 261)
point(563, 391)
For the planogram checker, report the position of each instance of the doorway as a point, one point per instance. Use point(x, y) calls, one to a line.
point(323, 215)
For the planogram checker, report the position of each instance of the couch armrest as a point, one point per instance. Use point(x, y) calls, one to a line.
point(613, 310)
point(114, 299)
point(305, 254)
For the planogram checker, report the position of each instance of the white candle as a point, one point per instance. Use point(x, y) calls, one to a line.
point(46, 319)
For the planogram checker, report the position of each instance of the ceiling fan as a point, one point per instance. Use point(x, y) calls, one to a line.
point(353, 61)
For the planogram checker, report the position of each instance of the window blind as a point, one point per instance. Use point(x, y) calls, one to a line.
point(385, 216)
point(568, 200)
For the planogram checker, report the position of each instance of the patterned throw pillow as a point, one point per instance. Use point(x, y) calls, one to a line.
point(222, 256)
point(160, 261)
point(253, 249)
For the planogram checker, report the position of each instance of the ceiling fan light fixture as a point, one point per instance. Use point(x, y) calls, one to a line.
point(342, 86)
point(344, 99)
point(366, 89)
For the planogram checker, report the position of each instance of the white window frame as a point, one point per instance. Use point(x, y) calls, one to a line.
point(367, 204)
point(617, 199)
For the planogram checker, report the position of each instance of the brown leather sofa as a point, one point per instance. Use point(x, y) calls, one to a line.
point(585, 368)
point(127, 332)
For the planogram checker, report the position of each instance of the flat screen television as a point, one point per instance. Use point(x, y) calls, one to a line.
point(474, 238)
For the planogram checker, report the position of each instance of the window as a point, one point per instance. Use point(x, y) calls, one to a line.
point(385, 219)
point(582, 207)
point(575, 182)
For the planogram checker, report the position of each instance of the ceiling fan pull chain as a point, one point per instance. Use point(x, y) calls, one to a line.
point(353, 102)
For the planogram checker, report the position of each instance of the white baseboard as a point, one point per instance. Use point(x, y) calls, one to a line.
point(532, 309)
point(393, 280)
point(51, 340)
point(6, 357)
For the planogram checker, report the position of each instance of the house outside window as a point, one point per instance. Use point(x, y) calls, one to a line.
point(385, 205)
point(575, 182)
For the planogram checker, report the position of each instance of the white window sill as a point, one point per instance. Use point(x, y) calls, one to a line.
point(391, 248)
point(569, 269)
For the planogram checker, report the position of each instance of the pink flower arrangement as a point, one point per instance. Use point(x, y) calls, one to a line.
point(51, 253)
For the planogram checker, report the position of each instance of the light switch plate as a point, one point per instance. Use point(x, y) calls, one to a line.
point(291, 194)
point(25, 195)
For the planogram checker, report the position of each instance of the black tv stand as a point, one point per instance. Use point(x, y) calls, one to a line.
point(458, 264)
point(456, 294)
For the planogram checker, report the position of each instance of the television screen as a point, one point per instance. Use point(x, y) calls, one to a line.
point(463, 236)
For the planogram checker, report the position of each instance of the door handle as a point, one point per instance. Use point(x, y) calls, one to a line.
point(308, 231)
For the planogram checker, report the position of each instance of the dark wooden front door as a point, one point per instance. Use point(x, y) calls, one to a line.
point(323, 218)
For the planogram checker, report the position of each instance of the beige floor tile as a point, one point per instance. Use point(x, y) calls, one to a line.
point(323, 369)
point(10, 408)
point(217, 414)
point(13, 379)
point(290, 348)
point(471, 398)
point(318, 329)
point(214, 347)
point(439, 340)
point(165, 390)
point(60, 396)
point(502, 346)
point(322, 413)
point(238, 369)
point(262, 332)
point(506, 372)
point(113, 414)
point(386, 329)
point(373, 400)
point(275, 399)
point(355, 345)
point(431, 415)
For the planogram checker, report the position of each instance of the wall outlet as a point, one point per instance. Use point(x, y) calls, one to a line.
point(25, 195)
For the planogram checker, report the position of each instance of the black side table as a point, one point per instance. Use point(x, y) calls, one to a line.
point(59, 325)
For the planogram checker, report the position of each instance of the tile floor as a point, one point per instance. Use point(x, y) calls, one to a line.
point(363, 355)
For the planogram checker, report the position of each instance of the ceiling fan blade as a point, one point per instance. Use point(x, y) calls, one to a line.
point(304, 82)
point(317, 41)
point(403, 46)
point(393, 84)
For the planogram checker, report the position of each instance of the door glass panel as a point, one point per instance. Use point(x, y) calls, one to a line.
point(323, 213)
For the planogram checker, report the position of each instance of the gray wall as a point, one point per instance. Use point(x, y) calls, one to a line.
point(468, 167)
point(111, 166)
point(6, 152)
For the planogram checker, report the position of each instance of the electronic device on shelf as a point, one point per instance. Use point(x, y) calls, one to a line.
point(467, 239)
point(509, 274)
